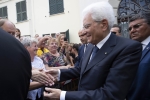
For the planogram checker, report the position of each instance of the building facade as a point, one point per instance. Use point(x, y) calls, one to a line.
point(48, 16)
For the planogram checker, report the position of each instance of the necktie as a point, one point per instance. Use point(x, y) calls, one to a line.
point(94, 52)
point(85, 46)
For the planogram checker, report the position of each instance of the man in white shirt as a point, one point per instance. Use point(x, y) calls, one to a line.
point(108, 68)
point(139, 29)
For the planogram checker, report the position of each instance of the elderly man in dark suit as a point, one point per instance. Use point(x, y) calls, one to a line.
point(108, 68)
point(15, 68)
point(139, 29)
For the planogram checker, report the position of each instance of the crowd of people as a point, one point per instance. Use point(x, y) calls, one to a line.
point(106, 65)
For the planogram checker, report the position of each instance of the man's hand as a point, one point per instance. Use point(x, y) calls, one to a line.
point(52, 94)
point(42, 77)
point(54, 73)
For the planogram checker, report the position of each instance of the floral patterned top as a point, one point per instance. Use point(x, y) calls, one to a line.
point(53, 61)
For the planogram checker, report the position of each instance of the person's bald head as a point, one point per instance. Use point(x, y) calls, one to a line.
point(82, 36)
point(8, 26)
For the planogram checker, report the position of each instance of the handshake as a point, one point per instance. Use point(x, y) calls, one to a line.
point(48, 77)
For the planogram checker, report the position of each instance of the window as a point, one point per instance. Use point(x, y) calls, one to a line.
point(46, 35)
point(21, 11)
point(3, 12)
point(56, 6)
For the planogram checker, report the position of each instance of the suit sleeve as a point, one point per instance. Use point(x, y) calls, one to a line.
point(79, 57)
point(71, 73)
point(120, 77)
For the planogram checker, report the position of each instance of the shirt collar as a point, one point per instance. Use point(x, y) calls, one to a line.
point(101, 43)
point(146, 41)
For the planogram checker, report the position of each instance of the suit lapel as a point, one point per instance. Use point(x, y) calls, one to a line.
point(86, 57)
point(103, 52)
point(145, 51)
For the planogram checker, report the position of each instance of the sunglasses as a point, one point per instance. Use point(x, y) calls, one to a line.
point(135, 27)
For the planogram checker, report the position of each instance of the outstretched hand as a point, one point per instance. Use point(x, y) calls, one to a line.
point(54, 73)
point(52, 94)
point(42, 77)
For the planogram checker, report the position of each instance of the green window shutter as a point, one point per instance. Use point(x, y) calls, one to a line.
point(1, 12)
point(23, 8)
point(60, 6)
point(56, 6)
point(67, 35)
point(21, 11)
point(18, 7)
point(19, 17)
point(24, 16)
point(53, 8)
point(5, 12)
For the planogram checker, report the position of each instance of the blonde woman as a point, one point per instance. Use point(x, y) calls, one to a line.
point(54, 59)
point(62, 43)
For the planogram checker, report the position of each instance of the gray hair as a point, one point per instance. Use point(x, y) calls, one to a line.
point(99, 11)
point(27, 41)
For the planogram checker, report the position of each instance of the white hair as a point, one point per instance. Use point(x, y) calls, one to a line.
point(27, 41)
point(99, 11)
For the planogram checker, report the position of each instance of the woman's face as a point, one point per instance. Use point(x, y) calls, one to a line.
point(17, 32)
point(33, 49)
point(69, 48)
point(53, 46)
point(62, 39)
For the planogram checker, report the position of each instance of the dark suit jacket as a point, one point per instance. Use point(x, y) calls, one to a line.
point(15, 68)
point(109, 74)
point(80, 55)
point(140, 89)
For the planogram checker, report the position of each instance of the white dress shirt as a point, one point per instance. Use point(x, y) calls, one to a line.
point(145, 42)
point(99, 45)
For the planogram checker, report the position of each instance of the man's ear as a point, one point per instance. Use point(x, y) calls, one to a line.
point(104, 24)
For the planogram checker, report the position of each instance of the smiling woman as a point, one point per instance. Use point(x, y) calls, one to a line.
point(54, 59)
point(31, 45)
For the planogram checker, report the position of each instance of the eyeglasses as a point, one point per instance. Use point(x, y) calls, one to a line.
point(135, 27)
point(86, 26)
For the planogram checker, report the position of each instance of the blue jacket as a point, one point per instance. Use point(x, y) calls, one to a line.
point(140, 89)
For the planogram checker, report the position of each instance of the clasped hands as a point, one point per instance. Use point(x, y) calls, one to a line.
point(48, 77)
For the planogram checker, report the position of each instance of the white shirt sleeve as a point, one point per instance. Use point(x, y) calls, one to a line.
point(62, 95)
